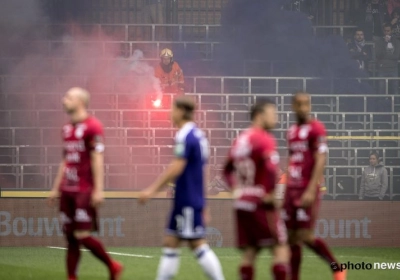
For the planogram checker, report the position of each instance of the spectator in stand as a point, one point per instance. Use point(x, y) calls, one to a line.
point(395, 23)
point(360, 52)
point(374, 180)
point(154, 13)
point(308, 7)
point(170, 74)
point(387, 55)
point(372, 17)
point(392, 5)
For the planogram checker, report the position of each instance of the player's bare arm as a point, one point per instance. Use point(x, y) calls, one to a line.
point(55, 191)
point(174, 169)
point(97, 165)
point(310, 194)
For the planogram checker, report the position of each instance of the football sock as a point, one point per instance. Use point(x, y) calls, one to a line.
point(73, 255)
point(97, 249)
point(169, 264)
point(209, 262)
point(246, 272)
point(280, 271)
point(321, 249)
point(295, 261)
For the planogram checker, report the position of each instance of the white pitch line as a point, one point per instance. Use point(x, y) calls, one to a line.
point(111, 253)
point(304, 256)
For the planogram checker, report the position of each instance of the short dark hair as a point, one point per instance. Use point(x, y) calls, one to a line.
point(387, 25)
point(374, 154)
point(259, 106)
point(357, 30)
point(297, 93)
point(186, 104)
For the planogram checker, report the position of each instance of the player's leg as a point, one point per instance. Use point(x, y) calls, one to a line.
point(73, 246)
point(246, 225)
point(73, 255)
point(86, 221)
point(246, 269)
point(289, 216)
point(193, 230)
point(207, 259)
point(169, 262)
point(295, 254)
point(280, 268)
point(306, 234)
point(321, 248)
point(281, 251)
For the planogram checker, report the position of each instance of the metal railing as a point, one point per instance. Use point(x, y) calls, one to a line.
point(160, 154)
point(151, 49)
point(223, 119)
point(134, 175)
point(231, 84)
point(180, 32)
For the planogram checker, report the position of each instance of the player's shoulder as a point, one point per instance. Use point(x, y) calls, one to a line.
point(93, 123)
point(317, 125)
point(259, 137)
point(269, 140)
point(186, 133)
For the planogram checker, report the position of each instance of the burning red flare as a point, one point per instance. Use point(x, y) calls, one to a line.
point(157, 103)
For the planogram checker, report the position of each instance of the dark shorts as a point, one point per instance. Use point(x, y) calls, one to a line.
point(259, 228)
point(186, 223)
point(297, 217)
point(76, 213)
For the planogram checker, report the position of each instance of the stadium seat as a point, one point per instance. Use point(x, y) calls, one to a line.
point(394, 153)
point(347, 184)
point(392, 162)
point(33, 181)
point(8, 155)
point(338, 161)
point(144, 155)
point(388, 143)
point(32, 155)
point(117, 155)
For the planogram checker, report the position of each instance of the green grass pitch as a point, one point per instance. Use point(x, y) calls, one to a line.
point(24, 263)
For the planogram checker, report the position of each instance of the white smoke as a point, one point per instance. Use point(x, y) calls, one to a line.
point(141, 75)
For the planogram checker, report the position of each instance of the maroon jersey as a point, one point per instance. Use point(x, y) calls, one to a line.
point(80, 140)
point(304, 141)
point(255, 161)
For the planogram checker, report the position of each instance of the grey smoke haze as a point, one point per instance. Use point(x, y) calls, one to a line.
point(260, 30)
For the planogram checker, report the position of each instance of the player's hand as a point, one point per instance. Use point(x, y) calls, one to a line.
point(97, 198)
point(144, 196)
point(51, 199)
point(307, 199)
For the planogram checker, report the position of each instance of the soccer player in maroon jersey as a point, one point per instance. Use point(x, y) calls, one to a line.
point(251, 170)
point(79, 183)
point(307, 154)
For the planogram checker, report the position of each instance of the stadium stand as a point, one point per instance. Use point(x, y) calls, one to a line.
point(29, 150)
point(139, 141)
